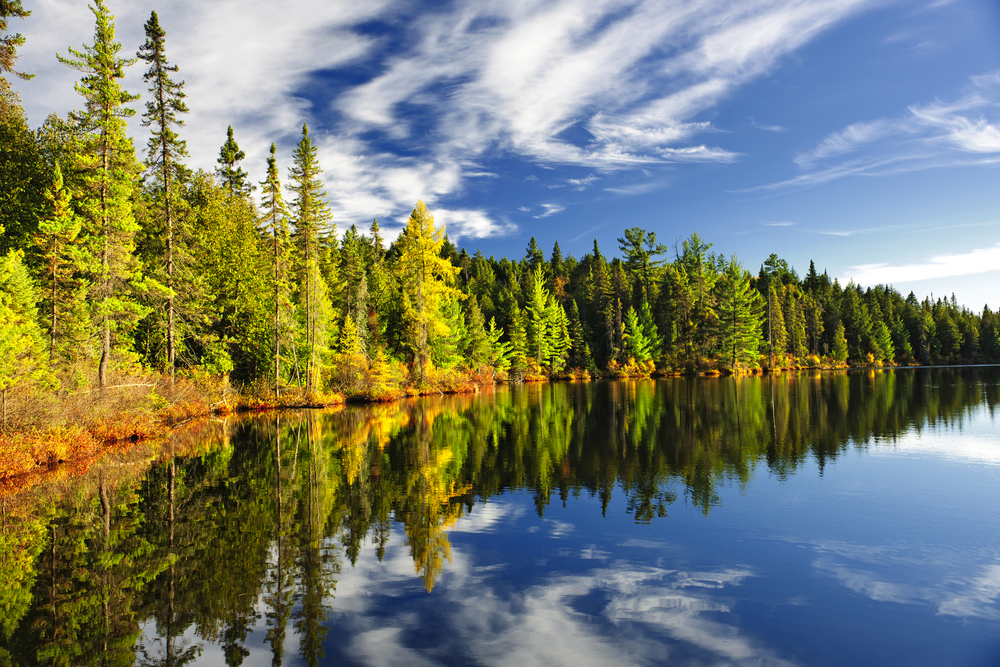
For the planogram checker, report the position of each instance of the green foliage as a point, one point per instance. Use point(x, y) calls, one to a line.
point(229, 170)
point(107, 167)
point(739, 318)
point(22, 350)
point(425, 279)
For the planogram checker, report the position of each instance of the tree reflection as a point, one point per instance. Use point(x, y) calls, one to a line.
point(254, 518)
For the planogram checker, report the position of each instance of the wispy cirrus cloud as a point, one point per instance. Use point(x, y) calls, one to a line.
point(551, 209)
point(979, 260)
point(964, 132)
point(414, 107)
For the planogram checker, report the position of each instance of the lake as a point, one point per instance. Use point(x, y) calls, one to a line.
point(812, 518)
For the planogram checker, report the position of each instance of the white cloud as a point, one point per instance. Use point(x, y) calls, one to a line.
point(768, 128)
point(979, 260)
point(551, 209)
point(962, 133)
point(605, 84)
point(583, 183)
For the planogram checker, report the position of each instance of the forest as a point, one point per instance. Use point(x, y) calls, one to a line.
point(120, 262)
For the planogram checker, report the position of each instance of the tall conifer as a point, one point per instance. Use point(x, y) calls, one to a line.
point(229, 170)
point(164, 148)
point(109, 168)
point(276, 217)
point(311, 215)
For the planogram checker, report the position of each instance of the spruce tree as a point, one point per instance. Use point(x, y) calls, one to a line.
point(55, 239)
point(164, 150)
point(109, 168)
point(9, 43)
point(311, 216)
point(229, 170)
point(840, 343)
point(739, 318)
point(276, 218)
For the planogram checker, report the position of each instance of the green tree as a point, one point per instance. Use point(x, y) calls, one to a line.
point(312, 217)
point(637, 343)
point(55, 239)
point(739, 318)
point(886, 351)
point(10, 42)
point(640, 251)
point(22, 356)
point(276, 218)
point(164, 149)
point(539, 337)
point(425, 279)
point(109, 168)
point(840, 343)
point(229, 170)
point(24, 176)
point(499, 350)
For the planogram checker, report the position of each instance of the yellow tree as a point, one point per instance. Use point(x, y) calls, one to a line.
point(426, 279)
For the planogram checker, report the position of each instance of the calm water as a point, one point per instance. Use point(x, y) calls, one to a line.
point(812, 519)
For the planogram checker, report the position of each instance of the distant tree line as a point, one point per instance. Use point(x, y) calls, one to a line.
point(113, 260)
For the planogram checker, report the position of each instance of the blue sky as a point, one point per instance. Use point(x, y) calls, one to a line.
point(862, 134)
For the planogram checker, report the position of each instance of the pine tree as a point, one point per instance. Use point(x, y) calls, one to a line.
point(840, 343)
point(557, 331)
point(499, 350)
point(739, 318)
point(109, 168)
point(21, 346)
point(537, 306)
point(9, 43)
point(477, 346)
point(276, 217)
point(637, 344)
point(229, 170)
point(795, 323)
point(312, 216)
point(777, 335)
point(164, 148)
point(883, 343)
point(55, 240)
point(518, 335)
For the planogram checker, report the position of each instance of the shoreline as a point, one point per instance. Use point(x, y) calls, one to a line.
point(31, 457)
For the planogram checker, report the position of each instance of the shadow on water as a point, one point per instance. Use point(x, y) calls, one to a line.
point(272, 508)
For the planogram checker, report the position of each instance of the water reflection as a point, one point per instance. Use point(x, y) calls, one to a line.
point(264, 533)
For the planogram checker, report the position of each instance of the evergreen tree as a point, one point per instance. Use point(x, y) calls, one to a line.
point(22, 356)
point(24, 175)
point(477, 346)
point(533, 255)
point(108, 166)
point(840, 343)
point(537, 307)
point(637, 344)
point(424, 277)
point(276, 217)
point(229, 170)
point(55, 240)
point(739, 318)
point(886, 351)
point(518, 334)
point(499, 350)
point(311, 215)
point(640, 251)
point(10, 42)
point(557, 330)
point(164, 149)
